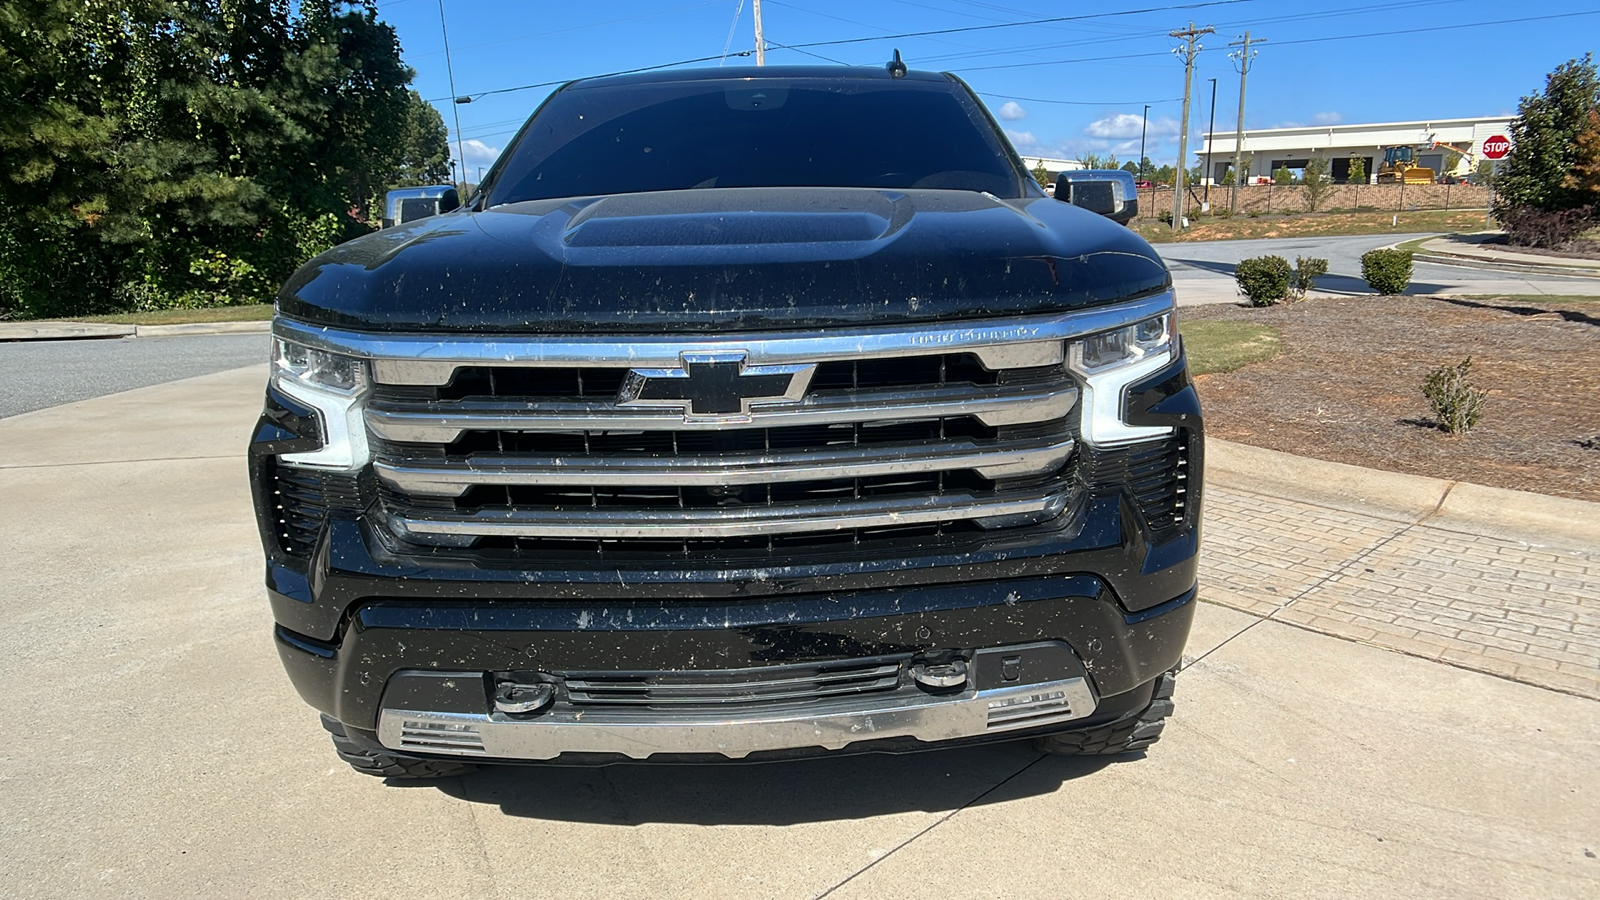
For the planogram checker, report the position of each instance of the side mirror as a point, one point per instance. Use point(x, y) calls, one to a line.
point(1109, 192)
point(409, 204)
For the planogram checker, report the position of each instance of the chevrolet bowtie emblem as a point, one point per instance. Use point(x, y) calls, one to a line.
point(715, 385)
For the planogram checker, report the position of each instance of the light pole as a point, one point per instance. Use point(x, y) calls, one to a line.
point(1211, 139)
point(1144, 126)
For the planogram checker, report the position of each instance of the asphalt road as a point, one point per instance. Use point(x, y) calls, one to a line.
point(1342, 253)
point(41, 374)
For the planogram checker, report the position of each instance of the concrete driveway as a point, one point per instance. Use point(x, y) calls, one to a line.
point(159, 750)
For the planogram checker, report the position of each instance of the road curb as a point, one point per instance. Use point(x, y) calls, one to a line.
point(261, 327)
point(62, 331)
point(1471, 262)
point(77, 331)
point(1452, 505)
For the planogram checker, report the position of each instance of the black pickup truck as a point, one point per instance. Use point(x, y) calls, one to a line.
point(741, 413)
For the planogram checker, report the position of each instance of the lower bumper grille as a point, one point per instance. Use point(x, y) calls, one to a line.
point(733, 688)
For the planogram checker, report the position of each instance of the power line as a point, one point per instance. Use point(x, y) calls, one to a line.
point(1080, 102)
point(1319, 40)
point(1052, 19)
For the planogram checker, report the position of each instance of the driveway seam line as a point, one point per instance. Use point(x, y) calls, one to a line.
point(1465, 667)
point(1337, 570)
point(118, 462)
point(940, 821)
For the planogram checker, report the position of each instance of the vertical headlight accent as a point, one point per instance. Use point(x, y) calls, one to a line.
point(1107, 363)
point(336, 387)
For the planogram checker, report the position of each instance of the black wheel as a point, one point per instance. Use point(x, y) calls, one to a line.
point(384, 765)
point(1127, 736)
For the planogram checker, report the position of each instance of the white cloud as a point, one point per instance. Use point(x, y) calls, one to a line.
point(477, 154)
point(1013, 111)
point(1326, 118)
point(1127, 126)
point(1026, 143)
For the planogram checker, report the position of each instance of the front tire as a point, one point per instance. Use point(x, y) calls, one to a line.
point(1127, 736)
point(385, 765)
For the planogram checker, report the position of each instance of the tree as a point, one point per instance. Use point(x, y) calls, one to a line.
point(1545, 146)
point(1318, 183)
point(1092, 161)
point(1041, 174)
point(1358, 170)
point(1585, 175)
point(1131, 167)
point(192, 152)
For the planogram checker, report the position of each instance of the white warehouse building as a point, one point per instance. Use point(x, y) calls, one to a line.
point(1269, 149)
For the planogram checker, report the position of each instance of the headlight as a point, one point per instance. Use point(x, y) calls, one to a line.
point(316, 368)
point(1128, 346)
point(1110, 361)
point(335, 386)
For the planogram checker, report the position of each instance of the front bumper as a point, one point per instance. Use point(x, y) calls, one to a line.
point(456, 722)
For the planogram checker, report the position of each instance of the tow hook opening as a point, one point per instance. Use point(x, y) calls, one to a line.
point(941, 677)
point(515, 698)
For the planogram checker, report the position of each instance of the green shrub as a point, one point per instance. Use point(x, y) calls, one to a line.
point(1304, 278)
point(1457, 405)
point(1387, 270)
point(1264, 279)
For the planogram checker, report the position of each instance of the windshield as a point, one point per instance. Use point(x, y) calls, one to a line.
point(768, 132)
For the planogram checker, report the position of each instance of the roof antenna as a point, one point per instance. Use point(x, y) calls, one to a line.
point(897, 69)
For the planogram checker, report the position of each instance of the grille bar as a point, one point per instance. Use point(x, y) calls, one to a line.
point(733, 688)
point(733, 521)
point(995, 459)
point(994, 405)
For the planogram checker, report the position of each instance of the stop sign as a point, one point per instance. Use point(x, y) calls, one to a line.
point(1496, 147)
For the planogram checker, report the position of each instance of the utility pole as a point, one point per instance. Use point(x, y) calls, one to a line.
point(1211, 140)
point(1244, 58)
point(1189, 36)
point(761, 44)
point(1144, 126)
point(454, 107)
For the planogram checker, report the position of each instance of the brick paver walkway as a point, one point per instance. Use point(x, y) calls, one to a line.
point(1511, 609)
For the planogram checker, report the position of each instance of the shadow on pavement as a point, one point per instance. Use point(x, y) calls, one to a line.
point(1205, 265)
point(773, 793)
point(1570, 315)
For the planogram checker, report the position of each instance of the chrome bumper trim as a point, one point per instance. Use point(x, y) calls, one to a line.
point(431, 359)
point(993, 405)
point(582, 521)
point(1007, 459)
point(832, 725)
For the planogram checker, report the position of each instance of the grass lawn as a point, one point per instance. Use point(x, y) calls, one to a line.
point(1215, 346)
point(1327, 224)
point(256, 312)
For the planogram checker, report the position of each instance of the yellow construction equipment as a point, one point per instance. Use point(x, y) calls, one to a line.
point(1399, 167)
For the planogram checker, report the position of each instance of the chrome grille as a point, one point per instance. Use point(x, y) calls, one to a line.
point(491, 452)
point(510, 443)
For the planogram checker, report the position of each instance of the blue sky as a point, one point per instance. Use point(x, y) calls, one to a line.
point(1052, 84)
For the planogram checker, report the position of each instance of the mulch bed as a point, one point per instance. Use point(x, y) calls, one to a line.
point(1348, 388)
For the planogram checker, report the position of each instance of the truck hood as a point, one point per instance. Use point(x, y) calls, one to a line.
point(725, 260)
